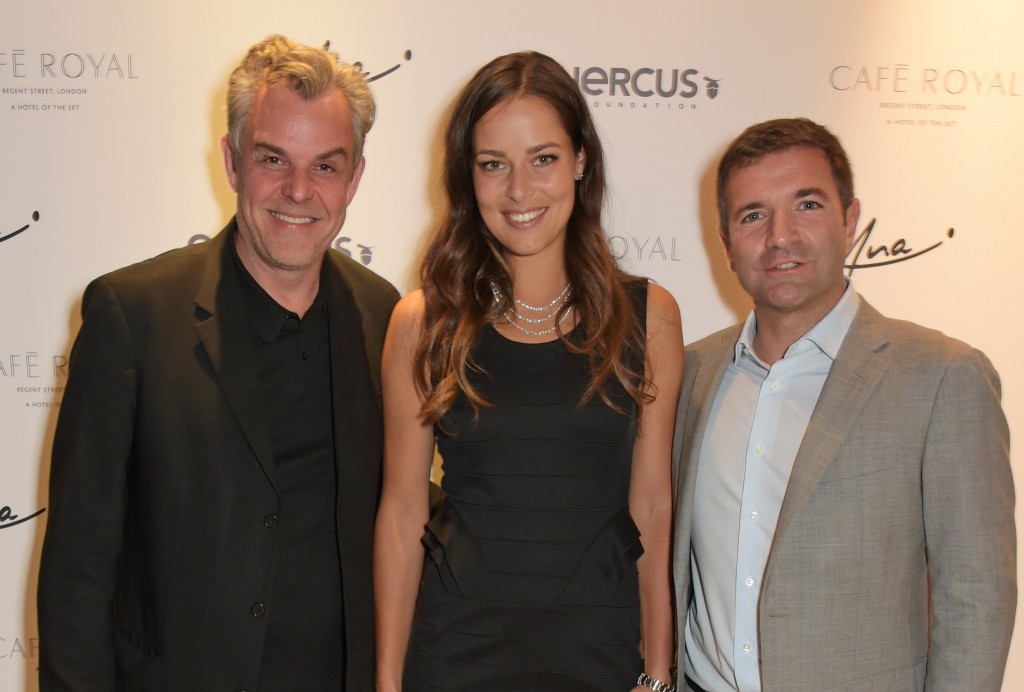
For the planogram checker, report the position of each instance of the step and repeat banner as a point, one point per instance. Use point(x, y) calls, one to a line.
point(111, 112)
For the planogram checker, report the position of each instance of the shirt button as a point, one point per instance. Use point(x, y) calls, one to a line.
point(759, 449)
point(747, 648)
point(258, 610)
point(270, 521)
point(754, 516)
point(749, 581)
point(775, 386)
point(305, 356)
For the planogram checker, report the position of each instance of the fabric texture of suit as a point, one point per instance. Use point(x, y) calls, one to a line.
point(901, 488)
point(159, 555)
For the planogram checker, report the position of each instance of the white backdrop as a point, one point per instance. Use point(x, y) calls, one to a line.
point(111, 111)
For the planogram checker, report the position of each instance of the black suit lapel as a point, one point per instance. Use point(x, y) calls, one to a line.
point(224, 335)
point(356, 408)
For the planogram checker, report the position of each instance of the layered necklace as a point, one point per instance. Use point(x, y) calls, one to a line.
point(534, 314)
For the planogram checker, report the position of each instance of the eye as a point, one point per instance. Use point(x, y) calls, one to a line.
point(490, 166)
point(546, 159)
point(809, 204)
point(752, 217)
point(272, 160)
point(324, 168)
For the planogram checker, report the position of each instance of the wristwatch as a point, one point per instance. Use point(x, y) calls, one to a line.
point(653, 684)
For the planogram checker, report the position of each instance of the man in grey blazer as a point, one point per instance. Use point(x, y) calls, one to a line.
point(216, 464)
point(844, 515)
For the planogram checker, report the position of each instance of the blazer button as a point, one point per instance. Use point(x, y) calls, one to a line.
point(270, 521)
point(258, 610)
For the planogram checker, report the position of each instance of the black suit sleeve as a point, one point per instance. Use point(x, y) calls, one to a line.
point(88, 480)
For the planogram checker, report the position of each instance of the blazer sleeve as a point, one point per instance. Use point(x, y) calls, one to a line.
point(970, 532)
point(85, 521)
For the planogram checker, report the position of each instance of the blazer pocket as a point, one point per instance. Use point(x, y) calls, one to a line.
point(138, 661)
point(859, 466)
point(899, 680)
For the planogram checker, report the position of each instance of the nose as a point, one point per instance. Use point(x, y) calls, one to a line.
point(297, 186)
point(780, 231)
point(519, 185)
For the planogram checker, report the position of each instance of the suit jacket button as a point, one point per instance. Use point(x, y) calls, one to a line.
point(270, 521)
point(258, 610)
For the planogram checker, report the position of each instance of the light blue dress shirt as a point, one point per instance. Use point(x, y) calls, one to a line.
point(757, 422)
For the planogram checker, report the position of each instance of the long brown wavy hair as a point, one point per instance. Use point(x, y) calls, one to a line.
point(463, 258)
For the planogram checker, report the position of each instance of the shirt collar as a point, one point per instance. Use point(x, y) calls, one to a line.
point(827, 335)
point(265, 314)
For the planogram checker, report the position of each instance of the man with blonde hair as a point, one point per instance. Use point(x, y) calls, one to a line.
point(216, 463)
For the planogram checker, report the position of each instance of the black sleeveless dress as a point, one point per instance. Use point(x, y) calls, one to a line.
point(530, 579)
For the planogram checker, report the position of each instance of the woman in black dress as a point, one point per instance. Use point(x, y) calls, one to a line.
point(548, 379)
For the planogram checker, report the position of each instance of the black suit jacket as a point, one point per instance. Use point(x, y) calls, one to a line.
point(160, 546)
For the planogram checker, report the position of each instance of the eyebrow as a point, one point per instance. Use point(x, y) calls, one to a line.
point(749, 206)
point(799, 194)
point(532, 150)
point(810, 192)
point(340, 151)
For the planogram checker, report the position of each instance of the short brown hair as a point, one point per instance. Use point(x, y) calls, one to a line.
point(773, 136)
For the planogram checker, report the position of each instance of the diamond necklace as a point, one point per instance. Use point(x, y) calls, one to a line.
point(513, 317)
point(559, 299)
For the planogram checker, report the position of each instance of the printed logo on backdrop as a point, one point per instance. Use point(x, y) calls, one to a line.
point(920, 96)
point(34, 381)
point(58, 81)
point(647, 89)
point(16, 648)
point(10, 517)
point(373, 77)
point(343, 244)
point(649, 248)
point(867, 252)
point(7, 232)
point(34, 378)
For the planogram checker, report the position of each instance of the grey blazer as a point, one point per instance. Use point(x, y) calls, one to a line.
point(902, 481)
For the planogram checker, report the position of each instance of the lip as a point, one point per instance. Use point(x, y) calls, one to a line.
point(524, 218)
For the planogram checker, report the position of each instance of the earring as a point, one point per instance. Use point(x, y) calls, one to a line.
point(579, 177)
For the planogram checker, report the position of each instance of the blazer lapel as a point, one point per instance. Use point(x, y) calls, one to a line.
point(859, 365)
point(707, 366)
point(709, 371)
point(356, 409)
point(224, 335)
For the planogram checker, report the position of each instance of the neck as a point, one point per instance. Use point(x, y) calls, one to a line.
point(293, 289)
point(778, 329)
point(777, 332)
point(538, 283)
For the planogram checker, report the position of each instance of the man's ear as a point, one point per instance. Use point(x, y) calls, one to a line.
point(229, 163)
point(353, 185)
point(852, 217)
point(723, 235)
